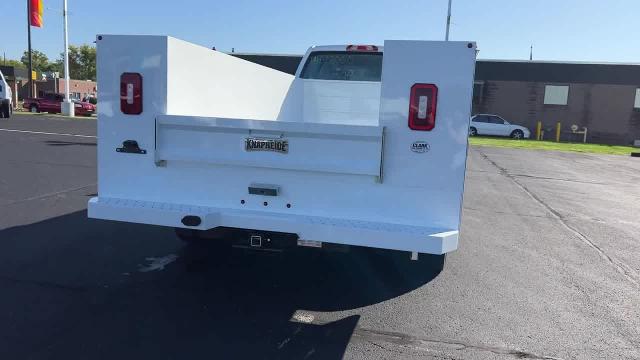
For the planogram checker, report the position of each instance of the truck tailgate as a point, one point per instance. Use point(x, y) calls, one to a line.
point(333, 148)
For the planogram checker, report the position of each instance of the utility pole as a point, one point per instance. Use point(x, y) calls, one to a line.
point(30, 82)
point(531, 53)
point(446, 36)
point(67, 105)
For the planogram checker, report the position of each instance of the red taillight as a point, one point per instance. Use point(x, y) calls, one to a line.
point(422, 107)
point(131, 93)
point(370, 48)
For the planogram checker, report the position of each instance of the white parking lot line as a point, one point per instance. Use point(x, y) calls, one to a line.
point(47, 133)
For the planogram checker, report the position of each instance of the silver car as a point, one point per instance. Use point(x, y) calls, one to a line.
point(494, 125)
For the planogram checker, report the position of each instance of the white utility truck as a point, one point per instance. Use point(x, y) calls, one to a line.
point(364, 146)
point(6, 98)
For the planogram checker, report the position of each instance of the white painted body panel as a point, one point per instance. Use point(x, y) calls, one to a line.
point(202, 82)
point(350, 179)
point(5, 89)
point(341, 102)
point(334, 148)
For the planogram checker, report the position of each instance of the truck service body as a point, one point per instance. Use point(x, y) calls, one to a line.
point(364, 146)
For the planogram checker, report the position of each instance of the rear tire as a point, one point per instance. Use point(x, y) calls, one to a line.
point(5, 111)
point(34, 109)
point(473, 131)
point(517, 134)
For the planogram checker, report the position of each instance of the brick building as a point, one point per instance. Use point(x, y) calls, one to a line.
point(18, 81)
point(78, 89)
point(604, 98)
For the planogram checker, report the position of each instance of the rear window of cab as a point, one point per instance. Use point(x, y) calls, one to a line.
point(346, 66)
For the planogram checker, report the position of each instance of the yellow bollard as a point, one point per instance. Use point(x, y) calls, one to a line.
point(558, 127)
point(539, 130)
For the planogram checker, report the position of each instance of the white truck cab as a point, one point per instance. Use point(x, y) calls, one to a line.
point(6, 98)
point(366, 145)
point(341, 86)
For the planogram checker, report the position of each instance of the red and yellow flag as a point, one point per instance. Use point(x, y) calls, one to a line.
point(35, 17)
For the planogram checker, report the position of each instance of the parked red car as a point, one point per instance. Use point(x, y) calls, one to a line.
point(50, 103)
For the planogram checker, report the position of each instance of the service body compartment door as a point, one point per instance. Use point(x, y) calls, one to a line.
point(428, 164)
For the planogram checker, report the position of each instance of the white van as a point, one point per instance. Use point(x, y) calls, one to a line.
point(6, 98)
point(366, 145)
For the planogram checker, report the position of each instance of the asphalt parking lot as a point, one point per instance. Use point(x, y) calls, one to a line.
point(548, 268)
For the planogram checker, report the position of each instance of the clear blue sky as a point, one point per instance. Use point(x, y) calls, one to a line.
point(580, 30)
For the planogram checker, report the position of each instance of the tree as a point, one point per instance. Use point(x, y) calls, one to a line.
point(39, 60)
point(88, 61)
point(82, 62)
point(14, 63)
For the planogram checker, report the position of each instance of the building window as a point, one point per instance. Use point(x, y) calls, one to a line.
point(556, 94)
point(636, 104)
point(478, 92)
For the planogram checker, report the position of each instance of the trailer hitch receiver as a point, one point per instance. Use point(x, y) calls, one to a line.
point(255, 241)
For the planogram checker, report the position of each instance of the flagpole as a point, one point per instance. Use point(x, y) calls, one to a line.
point(29, 44)
point(446, 36)
point(67, 105)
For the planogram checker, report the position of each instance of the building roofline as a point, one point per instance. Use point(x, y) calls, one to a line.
point(480, 60)
point(261, 54)
point(557, 62)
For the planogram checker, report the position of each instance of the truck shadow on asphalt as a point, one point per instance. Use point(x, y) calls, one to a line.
point(74, 289)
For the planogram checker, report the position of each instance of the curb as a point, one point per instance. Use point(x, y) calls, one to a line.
point(59, 116)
